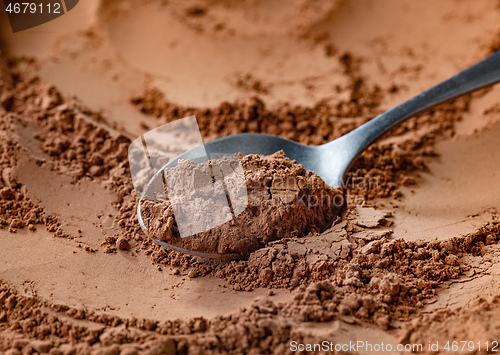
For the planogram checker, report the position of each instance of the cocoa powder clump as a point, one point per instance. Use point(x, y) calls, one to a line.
point(284, 200)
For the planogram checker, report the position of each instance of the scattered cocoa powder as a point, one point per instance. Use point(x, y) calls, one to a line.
point(383, 282)
point(86, 144)
point(374, 279)
point(16, 211)
point(387, 164)
point(29, 324)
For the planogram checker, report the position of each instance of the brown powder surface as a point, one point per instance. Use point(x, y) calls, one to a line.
point(284, 200)
point(476, 321)
point(350, 273)
point(388, 163)
point(352, 277)
point(16, 210)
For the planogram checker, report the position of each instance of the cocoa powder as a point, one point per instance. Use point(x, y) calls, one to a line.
point(350, 273)
point(386, 163)
point(284, 200)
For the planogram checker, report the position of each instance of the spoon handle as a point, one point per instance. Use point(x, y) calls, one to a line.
point(482, 74)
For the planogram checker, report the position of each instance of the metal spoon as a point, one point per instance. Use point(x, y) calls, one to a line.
point(331, 161)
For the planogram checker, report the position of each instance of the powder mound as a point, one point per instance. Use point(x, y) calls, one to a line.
point(16, 209)
point(273, 198)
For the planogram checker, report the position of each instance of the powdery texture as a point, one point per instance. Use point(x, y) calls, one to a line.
point(284, 200)
point(353, 272)
point(86, 145)
point(386, 164)
point(29, 325)
point(16, 211)
point(383, 282)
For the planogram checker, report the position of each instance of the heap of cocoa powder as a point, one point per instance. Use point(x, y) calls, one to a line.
point(283, 200)
point(376, 281)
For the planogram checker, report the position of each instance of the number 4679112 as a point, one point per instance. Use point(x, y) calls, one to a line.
point(33, 8)
point(461, 346)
